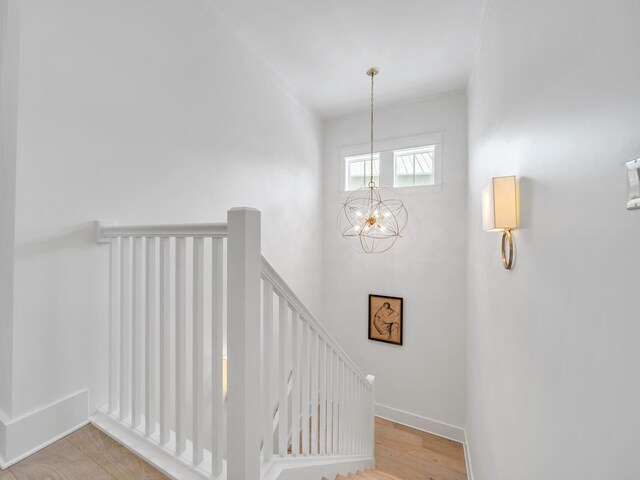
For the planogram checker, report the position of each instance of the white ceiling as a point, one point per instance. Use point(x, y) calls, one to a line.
point(323, 48)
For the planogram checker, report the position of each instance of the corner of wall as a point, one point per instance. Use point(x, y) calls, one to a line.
point(467, 456)
point(8, 153)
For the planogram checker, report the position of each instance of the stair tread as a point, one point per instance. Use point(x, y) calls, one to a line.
point(367, 475)
point(379, 475)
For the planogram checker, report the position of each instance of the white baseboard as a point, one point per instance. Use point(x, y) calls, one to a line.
point(428, 425)
point(25, 435)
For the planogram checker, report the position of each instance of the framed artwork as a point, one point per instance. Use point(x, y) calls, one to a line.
point(385, 319)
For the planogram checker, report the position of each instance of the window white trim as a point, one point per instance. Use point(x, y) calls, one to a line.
point(386, 148)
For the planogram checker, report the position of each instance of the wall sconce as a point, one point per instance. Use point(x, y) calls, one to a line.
point(633, 178)
point(500, 212)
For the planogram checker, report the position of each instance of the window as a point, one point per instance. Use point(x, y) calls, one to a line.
point(411, 164)
point(358, 170)
point(414, 167)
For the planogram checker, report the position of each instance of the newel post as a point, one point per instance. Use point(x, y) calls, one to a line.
point(372, 434)
point(243, 344)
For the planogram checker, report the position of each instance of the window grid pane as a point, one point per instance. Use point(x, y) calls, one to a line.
point(414, 167)
point(359, 170)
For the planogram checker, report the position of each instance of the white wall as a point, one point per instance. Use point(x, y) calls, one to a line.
point(553, 386)
point(141, 112)
point(426, 376)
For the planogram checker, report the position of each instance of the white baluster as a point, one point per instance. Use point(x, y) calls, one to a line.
point(336, 406)
point(125, 328)
point(114, 323)
point(340, 384)
point(370, 414)
point(165, 337)
point(354, 412)
point(150, 338)
point(346, 407)
point(313, 347)
point(267, 370)
point(181, 344)
point(354, 417)
point(363, 414)
point(329, 371)
point(364, 417)
point(367, 404)
point(216, 351)
point(295, 384)
point(351, 413)
point(348, 410)
point(356, 401)
point(361, 411)
point(372, 418)
point(136, 339)
point(283, 414)
point(304, 386)
point(198, 348)
point(367, 418)
point(322, 394)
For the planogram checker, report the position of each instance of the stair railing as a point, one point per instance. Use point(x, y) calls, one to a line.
point(331, 400)
point(158, 375)
point(166, 380)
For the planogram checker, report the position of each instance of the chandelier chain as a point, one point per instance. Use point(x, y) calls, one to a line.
point(371, 183)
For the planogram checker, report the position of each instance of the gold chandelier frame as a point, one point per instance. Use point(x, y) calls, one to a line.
point(373, 215)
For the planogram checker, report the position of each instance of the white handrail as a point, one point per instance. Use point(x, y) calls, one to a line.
point(180, 230)
point(271, 275)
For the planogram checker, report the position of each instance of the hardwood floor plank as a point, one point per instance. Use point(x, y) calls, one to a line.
point(428, 436)
point(415, 455)
point(427, 458)
point(59, 461)
point(115, 459)
point(432, 456)
point(393, 433)
point(6, 475)
point(388, 436)
point(405, 465)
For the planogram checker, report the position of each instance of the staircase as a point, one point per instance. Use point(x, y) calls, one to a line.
point(291, 404)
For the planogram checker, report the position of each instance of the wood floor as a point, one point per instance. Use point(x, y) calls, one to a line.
point(86, 454)
point(402, 453)
point(409, 454)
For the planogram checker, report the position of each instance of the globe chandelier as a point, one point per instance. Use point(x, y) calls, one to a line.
point(372, 218)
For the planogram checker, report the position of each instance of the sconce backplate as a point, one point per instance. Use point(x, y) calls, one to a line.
point(633, 177)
